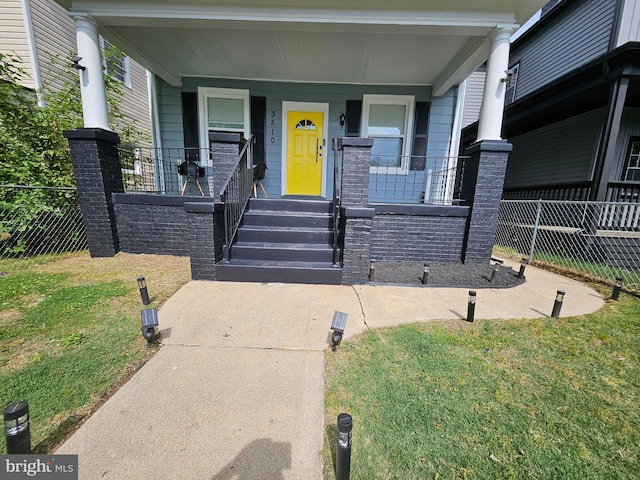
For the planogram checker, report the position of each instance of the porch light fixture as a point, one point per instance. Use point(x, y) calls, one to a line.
point(471, 306)
point(76, 63)
point(144, 293)
point(557, 305)
point(617, 288)
point(372, 271)
point(523, 265)
point(149, 317)
point(343, 447)
point(337, 326)
point(343, 117)
point(17, 430)
point(510, 72)
point(425, 273)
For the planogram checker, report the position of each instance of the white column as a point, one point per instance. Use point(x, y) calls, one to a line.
point(92, 89)
point(492, 110)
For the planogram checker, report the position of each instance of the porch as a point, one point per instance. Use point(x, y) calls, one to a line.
point(231, 236)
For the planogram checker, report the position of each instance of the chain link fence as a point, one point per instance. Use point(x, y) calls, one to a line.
point(39, 221)
point(597, 240)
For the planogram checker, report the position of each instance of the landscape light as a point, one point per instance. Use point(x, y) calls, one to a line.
point(17, 430)
point(142, 285)
point(557, 305)
point(494, 272)
point(523, 265)
point(425, 273)
point(343, 447)
point(471, 306)
point(617, 288)
point(149, 317)
point(372, 270)
point(337, 326)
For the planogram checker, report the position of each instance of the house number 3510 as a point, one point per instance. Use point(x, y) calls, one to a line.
point(272, 124)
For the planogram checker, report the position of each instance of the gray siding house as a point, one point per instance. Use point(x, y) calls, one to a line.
point(43, 35)
point(344, 111)
point(573, 104)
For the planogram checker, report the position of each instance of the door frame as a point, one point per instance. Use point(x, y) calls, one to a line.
point(304, 107)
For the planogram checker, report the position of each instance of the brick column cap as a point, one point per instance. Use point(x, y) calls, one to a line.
point(92, 134)
point(222, 137)
point(359, 212)
point(200, 207)
point(354, 142)
point(489, 146)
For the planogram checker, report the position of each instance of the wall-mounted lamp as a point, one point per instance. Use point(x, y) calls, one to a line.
point(337, 325)
point(76, 63)
point(343, 117)
point(510, 73)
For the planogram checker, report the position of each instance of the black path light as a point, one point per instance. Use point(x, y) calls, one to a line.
point(17, 429)
point(471, 306)
point(523, 265)
point(372, 271)
point(337, 326)
point(343, 447)
point(144, 294)
point(494, 272)
point(617, 288)
point(557, 305)
point(149, 317)
point(425, 273)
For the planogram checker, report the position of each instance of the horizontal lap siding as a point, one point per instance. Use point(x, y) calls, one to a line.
point(13, 37)
point(630, 23)
point(579, 34)
point(560, 153)
point(336, 95)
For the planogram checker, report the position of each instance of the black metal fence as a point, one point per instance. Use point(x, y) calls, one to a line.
point(38, 220)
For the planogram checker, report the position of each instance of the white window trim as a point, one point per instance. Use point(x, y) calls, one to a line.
point(204, 93)
point(126, 65)
point(409, 102)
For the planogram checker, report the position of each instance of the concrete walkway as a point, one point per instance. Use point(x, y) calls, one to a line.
point(237, 390)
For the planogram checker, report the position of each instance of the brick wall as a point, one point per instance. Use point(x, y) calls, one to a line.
point(418, 233)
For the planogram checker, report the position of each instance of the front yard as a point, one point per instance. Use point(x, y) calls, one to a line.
point(539, 398)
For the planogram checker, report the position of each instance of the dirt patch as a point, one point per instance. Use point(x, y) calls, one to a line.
point(446, 275)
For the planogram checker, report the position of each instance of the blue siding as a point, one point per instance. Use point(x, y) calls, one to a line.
point(336, 95)
point(580, 33)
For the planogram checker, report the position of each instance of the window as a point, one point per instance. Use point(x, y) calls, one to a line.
point(631, 171)
point(116, 63)
point(388, 120)
point(222, 110)
point(511, 82)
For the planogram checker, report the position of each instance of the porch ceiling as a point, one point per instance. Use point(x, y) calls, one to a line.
point(404, 42)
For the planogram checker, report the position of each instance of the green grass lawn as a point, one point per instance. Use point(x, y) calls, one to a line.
point(497, 399)
point(70, 332)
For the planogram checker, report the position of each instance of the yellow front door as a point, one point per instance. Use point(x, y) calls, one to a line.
point(304, 153)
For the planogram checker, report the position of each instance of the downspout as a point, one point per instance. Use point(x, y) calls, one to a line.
point(31, 45)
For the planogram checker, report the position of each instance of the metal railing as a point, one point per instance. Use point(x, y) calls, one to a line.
point(567, 191)
point(337, 172)
point(413, 179)
point(37, 220)
point(599, 240)
point(155, 170)
point(235, 195)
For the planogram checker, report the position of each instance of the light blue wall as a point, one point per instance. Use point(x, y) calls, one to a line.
point(336, 95)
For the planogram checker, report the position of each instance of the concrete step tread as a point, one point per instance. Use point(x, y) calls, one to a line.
point(283, 245)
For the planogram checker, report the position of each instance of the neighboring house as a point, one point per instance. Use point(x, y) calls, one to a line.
point(380, 78)
point(573, 104)
point(43, 35)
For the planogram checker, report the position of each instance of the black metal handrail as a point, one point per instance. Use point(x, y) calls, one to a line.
point(337, 159)
point(623, 192)
point(578, 191)
point(235, 195)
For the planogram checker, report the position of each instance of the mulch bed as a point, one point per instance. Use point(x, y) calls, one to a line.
point(445, 275)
